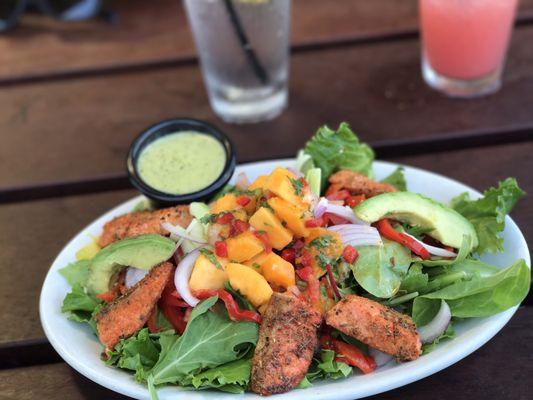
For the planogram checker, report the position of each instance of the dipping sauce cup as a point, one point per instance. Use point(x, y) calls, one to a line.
point(179, 161)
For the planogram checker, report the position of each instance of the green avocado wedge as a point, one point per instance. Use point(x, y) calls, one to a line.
point(141, 252)
point(446, 224)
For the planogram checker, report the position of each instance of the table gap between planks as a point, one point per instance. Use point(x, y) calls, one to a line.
point(75, 112)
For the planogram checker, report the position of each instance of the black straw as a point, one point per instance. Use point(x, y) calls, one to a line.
point(249, 52)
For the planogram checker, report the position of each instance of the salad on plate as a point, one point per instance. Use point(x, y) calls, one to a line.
point(304, 274)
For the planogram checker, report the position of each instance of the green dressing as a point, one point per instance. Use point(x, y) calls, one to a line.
point(182, 162)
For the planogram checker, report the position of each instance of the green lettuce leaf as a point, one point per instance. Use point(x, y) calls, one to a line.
point(210, 340)
point(232, 377)
point(488, 213)
point(76, 272)
point(139, 352)
point(341, 149)
point(415, 280)
point(325, 367)
point(481, 296)
point(397, 179)
point(379, 269)
point(81, 306)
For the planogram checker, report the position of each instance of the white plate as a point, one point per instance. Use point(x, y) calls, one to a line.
point(79, 347)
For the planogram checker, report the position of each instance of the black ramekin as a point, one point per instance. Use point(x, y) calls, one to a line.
point(154, 132)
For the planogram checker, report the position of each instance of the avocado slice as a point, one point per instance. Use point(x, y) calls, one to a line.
point(447, 225)
point(142, 252)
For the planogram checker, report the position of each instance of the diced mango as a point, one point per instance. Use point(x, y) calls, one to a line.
point(243, 247)
point(331, 251)
point(228, 202)
point(89, 251)
point(280, 182)
point(277, 271)
point(265, 220)
point(256, 262)
point(249, 283)
point(259, 183)
point(206, 276)
point(291, 214)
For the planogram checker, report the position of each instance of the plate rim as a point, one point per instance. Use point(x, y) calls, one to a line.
point(411, 372)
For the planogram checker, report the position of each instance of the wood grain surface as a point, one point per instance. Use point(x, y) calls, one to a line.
point(38, 230)
point(78, 129)
point(480, 375)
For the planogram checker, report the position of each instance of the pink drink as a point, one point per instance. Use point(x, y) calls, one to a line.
point(466, 39)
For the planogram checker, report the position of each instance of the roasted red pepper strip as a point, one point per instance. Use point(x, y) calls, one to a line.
point(351, 355)
point(173, 308)
point(108, 297)
point(386, 229)
point(235, 313)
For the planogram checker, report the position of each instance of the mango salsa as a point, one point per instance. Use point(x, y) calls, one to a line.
point(250, 283)
point(205, 275)
point(265, 220)
point(291, 214)
point(277, 271)
point(283, 183)
point(228, 202)
point(259, 183)
point(325, 245)
point(243, 247)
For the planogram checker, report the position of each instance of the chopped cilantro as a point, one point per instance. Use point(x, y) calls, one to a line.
point(323, 260)
point(208, 218)
point(322, 242)
point(211, 257)
point(297, 185)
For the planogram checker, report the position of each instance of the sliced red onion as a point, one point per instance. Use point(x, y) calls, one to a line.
point(181, 233)
point(242, 182)
point(436, 251)
point(379, 357)
point(134, 275)
point(345, 212)
point(428, 333)
point(182, 276)
point(358, 235)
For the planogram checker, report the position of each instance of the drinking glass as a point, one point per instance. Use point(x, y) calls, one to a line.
point(243, 50)
point(464, 43)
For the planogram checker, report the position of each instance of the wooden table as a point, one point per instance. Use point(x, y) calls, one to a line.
point(73, 96)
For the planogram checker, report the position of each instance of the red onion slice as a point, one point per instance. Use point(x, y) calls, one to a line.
point(436, 251)
point(345, 212)
point(379, 357)
point(428, 333)
point(134, 276)
point(358, 235)
point(182, 276)
point(242, 182)
point(181, 233)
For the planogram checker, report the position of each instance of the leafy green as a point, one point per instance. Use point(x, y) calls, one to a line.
point(210, 340)
point(137, 353)
point(415, 280)
point(379, 269)
point(325, 367)
point(449, 333)
point(416, 231)
point(76, 272)
point(480, 296)
point(464, 251)
point(81, 306)
point(488, 213)
point(397, 179)
point(232, 377)
point(341, 149)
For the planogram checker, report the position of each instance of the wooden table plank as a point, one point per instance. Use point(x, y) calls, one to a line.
point(157, 32)
point(36, 231)
point(81, 128)
point(480, 375)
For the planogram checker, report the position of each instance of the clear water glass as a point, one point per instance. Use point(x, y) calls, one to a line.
point(243, 46)
point(464, 44)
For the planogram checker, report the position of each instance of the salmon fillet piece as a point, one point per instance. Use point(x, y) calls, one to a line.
point(360, 184)
point(376, 325)
point(287, 340)
point(127, 314)
point(143, 222)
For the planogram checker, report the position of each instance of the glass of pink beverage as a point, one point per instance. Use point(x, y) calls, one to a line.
point(464, 43)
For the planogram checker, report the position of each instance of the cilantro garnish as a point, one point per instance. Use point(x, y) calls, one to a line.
point(297, 185)
point(211, 257)
point(322, 241)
